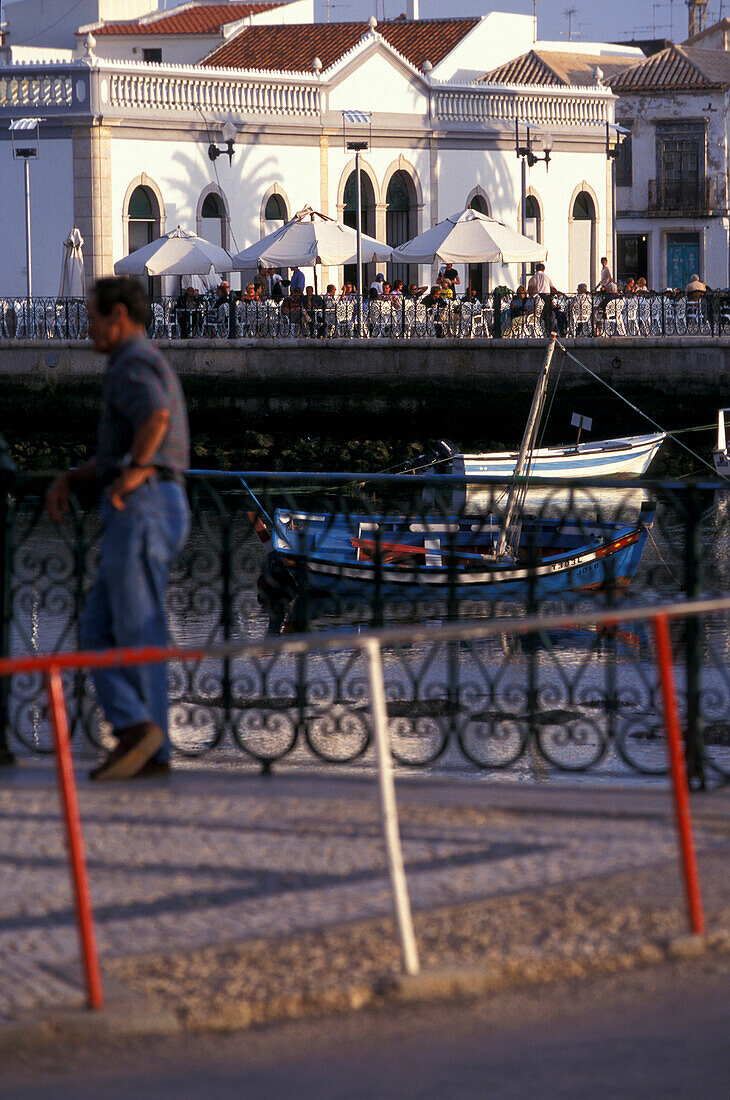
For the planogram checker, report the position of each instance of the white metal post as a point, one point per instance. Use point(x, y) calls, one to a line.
point(29, 275)
point(358, 223)
point(389, 810)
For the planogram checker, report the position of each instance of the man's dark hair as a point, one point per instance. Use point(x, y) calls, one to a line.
point(120, 290)
point(539, 267)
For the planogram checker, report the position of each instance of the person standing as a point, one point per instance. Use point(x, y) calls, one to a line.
point(140, 463)
point(605, 277)
point(297, 280)
point(541, 284)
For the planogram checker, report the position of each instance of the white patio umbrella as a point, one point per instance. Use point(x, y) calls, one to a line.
point(72, 267)
point(311, 238)
point(177, 253)
point(469, 237)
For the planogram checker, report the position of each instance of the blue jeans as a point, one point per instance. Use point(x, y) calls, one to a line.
point(126, 603)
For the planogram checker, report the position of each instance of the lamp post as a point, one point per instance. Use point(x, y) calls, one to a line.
point(25, 152)
point(358, 147)
point(529, 157)
point(612, 152)
point(228, 131)
point(357, 118)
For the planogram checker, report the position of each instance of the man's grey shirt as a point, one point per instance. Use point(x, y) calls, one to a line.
point(139, 380)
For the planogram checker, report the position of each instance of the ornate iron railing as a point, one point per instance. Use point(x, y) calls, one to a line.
point(579, 315)
point(571, 699)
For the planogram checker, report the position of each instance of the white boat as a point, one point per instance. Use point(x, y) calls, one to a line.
point(720, 456)
point(628, 456)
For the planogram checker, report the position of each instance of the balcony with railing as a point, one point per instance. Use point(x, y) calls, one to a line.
point(687, 198)
point(123, 89)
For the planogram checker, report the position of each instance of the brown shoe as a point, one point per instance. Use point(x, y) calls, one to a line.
point(154, 769)
point(137, 745)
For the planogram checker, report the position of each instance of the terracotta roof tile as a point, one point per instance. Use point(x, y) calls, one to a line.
point(292, 48)
point(557, 68)
point(194, 19)
point(678, 67)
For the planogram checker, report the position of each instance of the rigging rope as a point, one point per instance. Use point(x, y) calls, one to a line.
point(626, 401)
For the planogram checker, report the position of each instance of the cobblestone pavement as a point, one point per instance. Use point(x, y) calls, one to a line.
point(209, 857)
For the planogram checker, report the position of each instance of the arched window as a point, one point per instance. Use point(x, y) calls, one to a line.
point(367, 216)
point(213, 220)
point(275, 211)
point(583, 241)
point(400, 220)
point(532, 218)
point(478, 274)
point(143, 226)
point(144, 218)
point(583, 208)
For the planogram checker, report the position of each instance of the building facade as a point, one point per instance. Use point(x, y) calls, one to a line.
point(124, 146)
point(672, 195)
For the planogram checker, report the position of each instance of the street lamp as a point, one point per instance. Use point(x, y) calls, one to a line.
point(26, 130)
point(612, 152)
point(357, 147)
point(529, 157)
point(229, 131)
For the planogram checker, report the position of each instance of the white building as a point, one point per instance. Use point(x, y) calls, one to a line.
point(672, 207)
point(124, 143)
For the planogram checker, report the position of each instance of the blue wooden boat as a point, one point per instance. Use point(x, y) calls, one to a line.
point(404, 559)
point(468, 556)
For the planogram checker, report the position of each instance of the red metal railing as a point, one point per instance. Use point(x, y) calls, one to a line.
point(371, 644)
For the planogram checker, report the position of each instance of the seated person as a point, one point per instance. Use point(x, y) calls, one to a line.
point(611, 292)
point(312, 302)
point(434, 300)
point(188, 311)
point(414, 291)
point(277, 288)
point(447, 290)
point(249, 293)
point(641, 286)
point(221, 295)
point(472, 296)
point(695, 289)
point(396, 293)
point(292, 309)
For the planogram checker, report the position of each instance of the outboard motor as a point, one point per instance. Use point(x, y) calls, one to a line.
point(445, 457)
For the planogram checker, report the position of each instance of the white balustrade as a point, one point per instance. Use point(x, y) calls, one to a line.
point(210, 93)
point(546, 106)
point(36, 90)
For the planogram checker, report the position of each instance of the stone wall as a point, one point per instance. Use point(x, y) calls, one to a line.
point(471, 390)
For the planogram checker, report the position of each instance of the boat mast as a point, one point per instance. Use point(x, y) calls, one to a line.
point(516, 490)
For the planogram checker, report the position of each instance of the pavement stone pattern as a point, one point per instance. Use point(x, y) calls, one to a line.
point(213, 858)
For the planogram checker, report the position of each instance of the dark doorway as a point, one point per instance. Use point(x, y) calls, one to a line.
point(367, 221)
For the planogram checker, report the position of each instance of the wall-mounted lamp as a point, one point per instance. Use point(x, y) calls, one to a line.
point(542, 140)
point(229, 131)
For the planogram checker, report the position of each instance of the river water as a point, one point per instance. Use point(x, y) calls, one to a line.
point(595, 700)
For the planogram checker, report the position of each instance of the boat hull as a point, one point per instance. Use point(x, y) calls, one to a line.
point(629, 456)
point(340, 556)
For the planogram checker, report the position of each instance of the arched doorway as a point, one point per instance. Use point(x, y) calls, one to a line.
point(213, 220)
point(367, 221)
point(583, 241)
point(478, 274)
point(143, 226)
point(275, 215)
point(401, 221)
point(533, 223)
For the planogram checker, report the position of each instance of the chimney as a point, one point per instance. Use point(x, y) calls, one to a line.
point(412, 11)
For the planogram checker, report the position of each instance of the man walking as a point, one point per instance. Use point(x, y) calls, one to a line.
point(142, 454)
